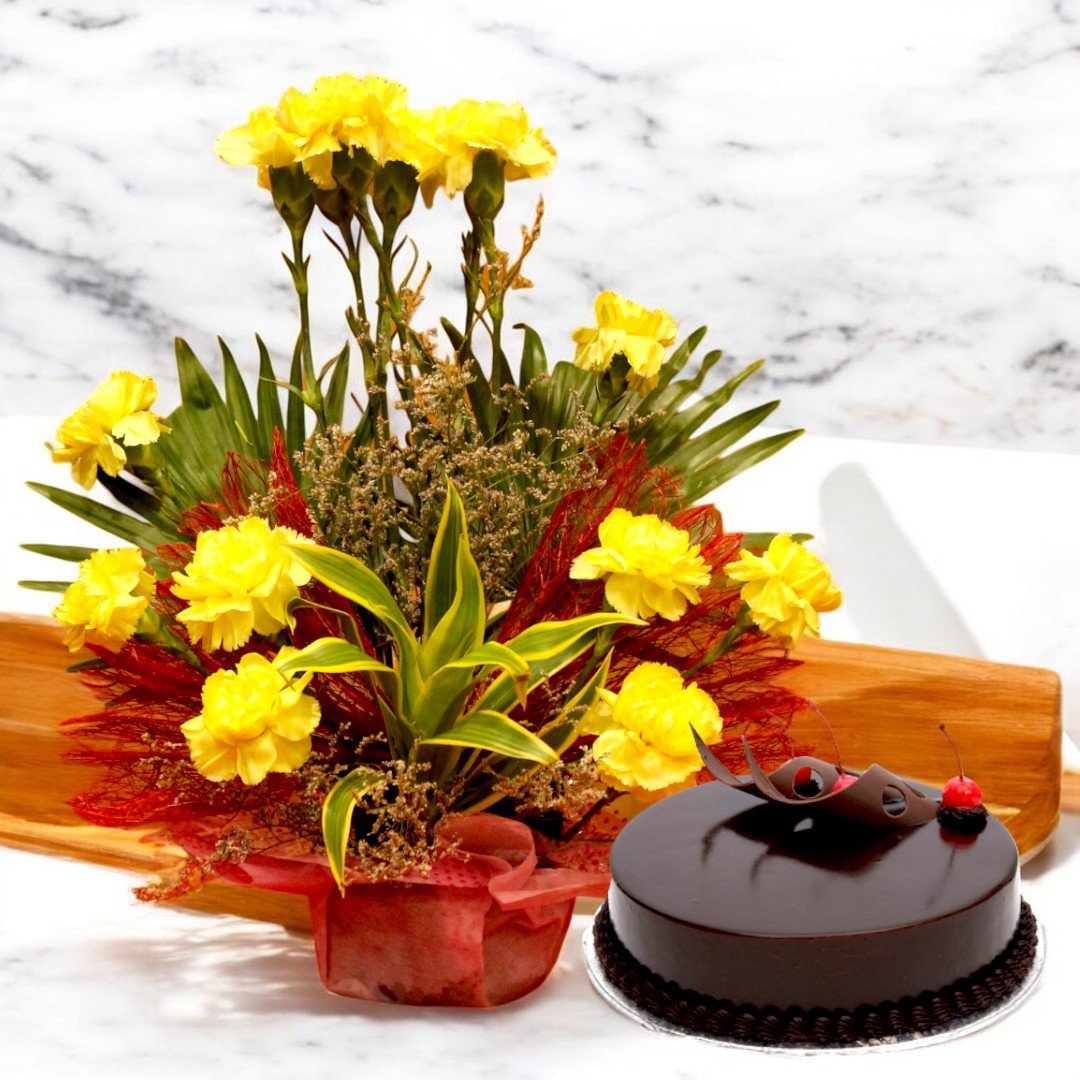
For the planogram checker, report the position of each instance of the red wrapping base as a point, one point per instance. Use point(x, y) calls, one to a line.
point(483, 928)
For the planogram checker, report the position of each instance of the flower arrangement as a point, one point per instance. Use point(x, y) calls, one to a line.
point(445, 617)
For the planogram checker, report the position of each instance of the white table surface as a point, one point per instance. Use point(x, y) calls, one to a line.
point(962, 551)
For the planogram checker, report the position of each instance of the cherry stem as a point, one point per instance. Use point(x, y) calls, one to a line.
point(832, 731)
point(956, 750)
point(832, 734)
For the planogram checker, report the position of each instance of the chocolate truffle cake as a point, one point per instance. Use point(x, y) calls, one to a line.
point(758, 920)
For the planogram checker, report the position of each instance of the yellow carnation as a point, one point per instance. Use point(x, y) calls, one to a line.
point(624, 328)
point(644, 738)
point(462, 130)
point(785, 588)
point(106, 602)
point(339, 112)
point(650, 567)
point(253, 722)
point(240, 581)
point(117, 414)
point(261, 142)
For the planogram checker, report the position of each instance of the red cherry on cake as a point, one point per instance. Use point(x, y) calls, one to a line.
point(844, 780)
point(961, 792)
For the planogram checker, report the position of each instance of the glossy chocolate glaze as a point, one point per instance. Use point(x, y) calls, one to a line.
point(754, 902)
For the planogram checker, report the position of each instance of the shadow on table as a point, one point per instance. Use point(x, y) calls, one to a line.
point(227, 970)
point(1063, 846)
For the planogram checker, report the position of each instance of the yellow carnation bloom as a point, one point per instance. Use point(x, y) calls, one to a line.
point(624, 328)
point(261, 142)
point(650, 567)
point(240, 581)
point(308, 126)
point(462, 130)
point(644, 738)
point(106, 602)
point(785, 588)
point(117, 414)
point(253, 722)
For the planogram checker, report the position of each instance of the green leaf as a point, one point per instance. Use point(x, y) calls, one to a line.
point(493, 654)
point(350, 578)
point(439, 588)
point(238, 400)
point(337, 815)
point(675, 426)
point(760, 540)
point(543, 662)
point(720, 472)
point(45, 586)
point(485, 730)
point(295, 428)
point(334, 405)
point(678, 359)
point(456, 627)
point(268, 401)
point(60, 551)
point(202, 434)
point(139, 501)
point(445, 693)
point(706, 447)
point(533, 359)
point(129, 529)
point(662, 405)
point(330, 654)
point(547, 639)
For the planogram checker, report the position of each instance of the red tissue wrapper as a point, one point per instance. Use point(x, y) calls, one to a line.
point(484, 927)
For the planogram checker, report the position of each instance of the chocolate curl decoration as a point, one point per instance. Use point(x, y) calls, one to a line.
point(877, 798)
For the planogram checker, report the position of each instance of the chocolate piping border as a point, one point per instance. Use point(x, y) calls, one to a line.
point(930, 1011)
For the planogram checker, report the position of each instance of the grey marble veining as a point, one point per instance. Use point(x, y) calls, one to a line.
point(881, 200)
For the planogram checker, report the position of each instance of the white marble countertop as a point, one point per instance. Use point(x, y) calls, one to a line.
point(882, 200)
point(94, 984)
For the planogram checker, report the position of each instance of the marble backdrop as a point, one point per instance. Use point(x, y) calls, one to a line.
point(882, 199)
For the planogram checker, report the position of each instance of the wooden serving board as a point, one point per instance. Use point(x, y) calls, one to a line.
point(885, 705)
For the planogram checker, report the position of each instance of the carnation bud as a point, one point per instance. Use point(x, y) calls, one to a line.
point(294, 196)
point(394, 193)
point(484, 195)
point(334, 204)
point(352, 171)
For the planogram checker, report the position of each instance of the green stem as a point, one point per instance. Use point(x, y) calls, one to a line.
point(725, 646)
point(499, 369)
point(470, 249)
point(310, 386)
point(352, 261)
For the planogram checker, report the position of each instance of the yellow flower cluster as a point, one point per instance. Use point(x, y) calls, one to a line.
point(240, 581)
point(785, 588)
point(650, 567)
point(106, 602)
point(644, 738)
point(624, 328)
point(117, 414)
point(372, 114)
point(254, 721)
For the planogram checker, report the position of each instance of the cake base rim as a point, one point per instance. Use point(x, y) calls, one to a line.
point(965, 1005)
